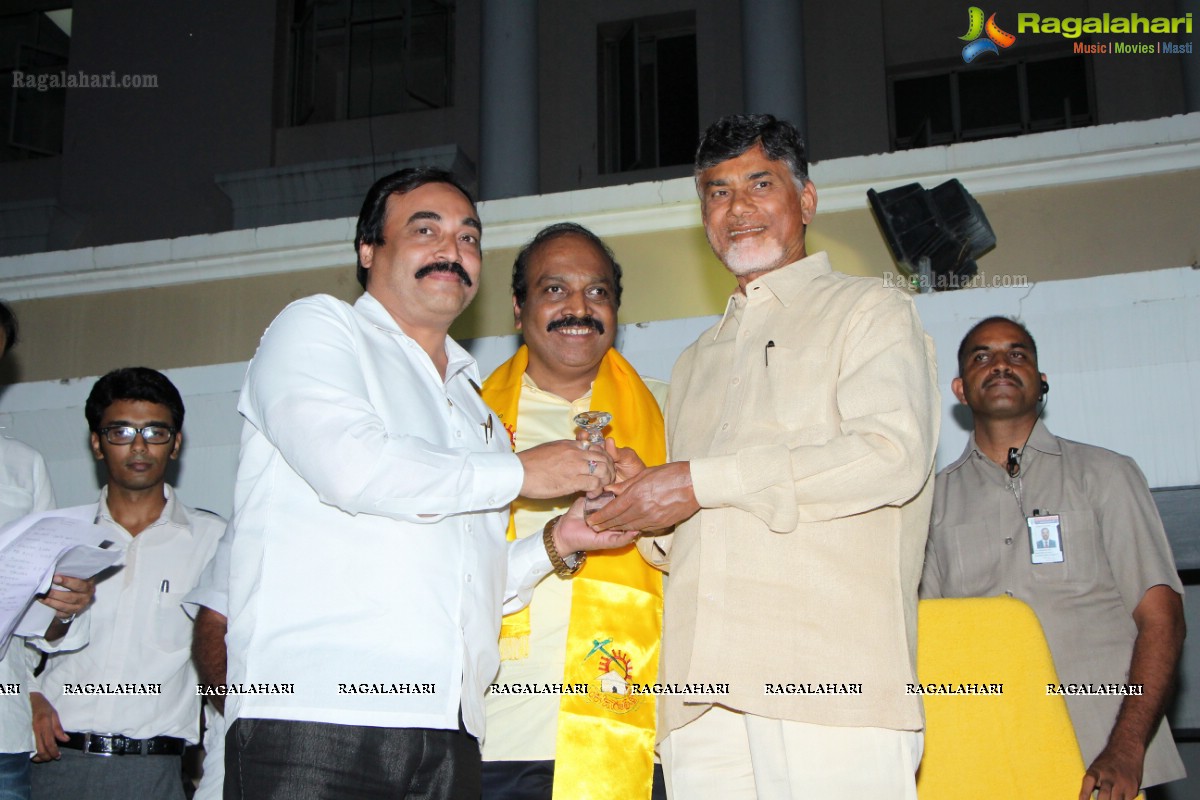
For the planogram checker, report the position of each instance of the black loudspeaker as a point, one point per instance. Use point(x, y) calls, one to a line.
point(944, 224)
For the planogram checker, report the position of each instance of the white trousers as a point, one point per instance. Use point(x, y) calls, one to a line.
point(734, 756)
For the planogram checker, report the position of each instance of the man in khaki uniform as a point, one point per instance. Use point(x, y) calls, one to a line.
point(1101, 579)
point(807, 414)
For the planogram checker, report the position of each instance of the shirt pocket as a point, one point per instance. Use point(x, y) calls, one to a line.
point(17, 498)
point(970, 555)
point(1079, 534)
point(172, 626)
point(799, 386)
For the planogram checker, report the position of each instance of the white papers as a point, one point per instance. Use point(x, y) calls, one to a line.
point(32, 550)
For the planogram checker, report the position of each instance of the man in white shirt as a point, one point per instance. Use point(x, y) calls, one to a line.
point(112, 720)
point(25, 489)
point(369, 565)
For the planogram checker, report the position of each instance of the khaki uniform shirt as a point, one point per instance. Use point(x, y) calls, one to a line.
point(809, 414)
point(1114, 549)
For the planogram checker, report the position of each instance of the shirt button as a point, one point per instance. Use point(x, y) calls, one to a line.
point(725, 426)
point(1010, 594)
point(736, 381)
point(458, 434)
point(1008, 540)
point(468, 577)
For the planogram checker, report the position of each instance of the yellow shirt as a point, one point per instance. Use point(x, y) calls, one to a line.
point(523, 727)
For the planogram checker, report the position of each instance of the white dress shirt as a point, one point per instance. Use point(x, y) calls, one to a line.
point(370, 510)
point(140, 635)
point(212, 589)
point(24, 489)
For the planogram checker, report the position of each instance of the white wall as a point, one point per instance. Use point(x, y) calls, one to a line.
point(48, 415)
point(1122, 354)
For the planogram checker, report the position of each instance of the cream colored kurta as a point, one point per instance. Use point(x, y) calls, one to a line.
point(809, 414)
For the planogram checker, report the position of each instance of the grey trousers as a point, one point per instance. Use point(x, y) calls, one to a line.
point(269, 759)
point(97, 777)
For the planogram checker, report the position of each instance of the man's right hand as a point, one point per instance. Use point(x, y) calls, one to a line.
point(47, 730)
point(557, 469)
point(626, 460)
point(653, 500)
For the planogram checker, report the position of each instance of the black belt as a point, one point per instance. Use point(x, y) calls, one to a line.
point(118, 745)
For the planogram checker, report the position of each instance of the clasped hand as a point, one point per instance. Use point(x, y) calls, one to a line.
point(558, 469)
point(647, 498)
point(573, 533)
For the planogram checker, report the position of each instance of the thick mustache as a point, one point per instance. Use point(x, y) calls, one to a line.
point(1006, 376)
point(452, 267)
point(576, 322)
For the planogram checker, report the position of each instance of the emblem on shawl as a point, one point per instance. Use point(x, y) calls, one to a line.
point(512, 431)
point(613, 687)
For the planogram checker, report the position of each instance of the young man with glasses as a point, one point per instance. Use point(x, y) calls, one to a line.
point(131, 692)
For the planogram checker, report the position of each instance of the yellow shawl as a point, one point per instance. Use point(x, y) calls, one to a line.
point(605, 744)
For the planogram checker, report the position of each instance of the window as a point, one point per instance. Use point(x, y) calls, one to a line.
point(649, 103)
point(34, 49)
point(364, 58)
point(1005, 99)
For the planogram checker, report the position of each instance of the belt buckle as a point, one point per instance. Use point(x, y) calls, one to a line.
point(87, 745)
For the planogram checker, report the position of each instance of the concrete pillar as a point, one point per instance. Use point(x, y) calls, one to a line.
point(509, 103)
point(773, 59)
point(1190, 62)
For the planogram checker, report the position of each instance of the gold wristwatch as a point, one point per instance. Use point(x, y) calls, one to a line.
point(563, 567)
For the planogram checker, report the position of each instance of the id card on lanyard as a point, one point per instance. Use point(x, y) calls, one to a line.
point(1045, 538)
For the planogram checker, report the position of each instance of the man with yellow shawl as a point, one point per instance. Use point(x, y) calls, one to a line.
point(571, 714)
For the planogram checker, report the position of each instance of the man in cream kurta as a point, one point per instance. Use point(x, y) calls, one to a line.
point(807, 415)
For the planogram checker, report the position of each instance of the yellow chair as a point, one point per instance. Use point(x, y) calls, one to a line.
point(1012, 745)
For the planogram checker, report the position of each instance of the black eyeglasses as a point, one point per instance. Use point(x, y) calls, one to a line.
point(125, 434)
